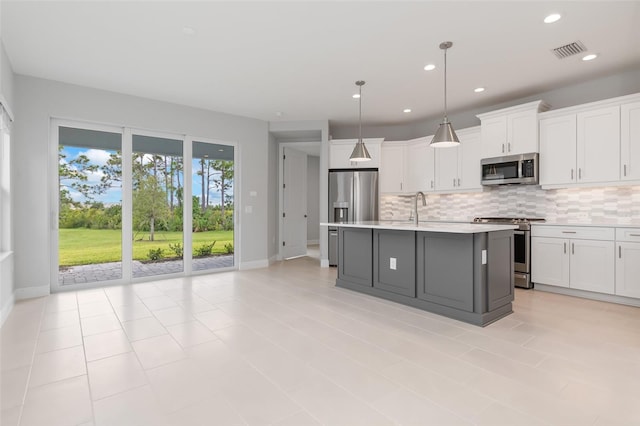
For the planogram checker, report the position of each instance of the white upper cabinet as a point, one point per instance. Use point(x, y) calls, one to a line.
point(598, 142)
point(419, 165)
point(392, 167)
point(630, 141)
point(511, 131)
point(469, 154)
point(340, 150)
point(459, 168)
point(558, 150)
point(591, 144)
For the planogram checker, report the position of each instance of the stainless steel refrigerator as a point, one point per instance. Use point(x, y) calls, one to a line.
point(353, 196)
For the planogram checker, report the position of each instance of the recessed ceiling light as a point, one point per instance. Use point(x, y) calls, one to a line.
point(589, 57)
point(189, 31)
point(356, 96)
point(554, 17)
point(406, 110)
point(478, 89)
point(429, 67)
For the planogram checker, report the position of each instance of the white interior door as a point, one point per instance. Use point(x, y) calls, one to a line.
point(294, 220)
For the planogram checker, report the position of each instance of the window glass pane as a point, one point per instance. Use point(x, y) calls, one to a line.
point(157, 197)
point(90, 206)
point(213, 207)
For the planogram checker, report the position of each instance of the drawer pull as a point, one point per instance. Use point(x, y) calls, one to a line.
point(568, 232)
point(565, 248)
point(634, 235)
point(573, 248)
point(620, 252)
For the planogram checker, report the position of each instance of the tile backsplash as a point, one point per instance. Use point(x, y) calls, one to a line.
point(573, 205)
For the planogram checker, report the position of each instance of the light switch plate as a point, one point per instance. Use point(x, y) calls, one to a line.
point(484, 257)
point(392, 263)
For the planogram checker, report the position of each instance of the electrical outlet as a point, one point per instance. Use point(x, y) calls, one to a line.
point(392, 263)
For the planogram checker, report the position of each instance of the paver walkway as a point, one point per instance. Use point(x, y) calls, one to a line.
point(113, 270)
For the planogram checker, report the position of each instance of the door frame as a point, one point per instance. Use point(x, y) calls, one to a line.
point(54, 208)
point(281, 146)
point(127, 202)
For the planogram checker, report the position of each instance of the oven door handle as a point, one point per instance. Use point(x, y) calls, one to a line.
point(516, 232)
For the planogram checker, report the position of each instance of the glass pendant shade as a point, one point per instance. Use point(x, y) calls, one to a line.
point(445, 136)
point(360, 152)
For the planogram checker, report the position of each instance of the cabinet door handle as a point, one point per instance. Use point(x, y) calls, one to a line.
point(573, 248)
point(503, 148)
point(625, 169)
point(571, 174)
point(458, 181)
point(431, 184)
point(580, 173)
point(634, 235)
point(565, 248)
point(620, 252)
point(454, 181)
point(509, 147)
point(568, 232)
point(400, 186)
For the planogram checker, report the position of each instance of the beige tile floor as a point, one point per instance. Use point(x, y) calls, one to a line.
point(283, 346)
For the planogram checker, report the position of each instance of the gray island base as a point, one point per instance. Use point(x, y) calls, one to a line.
point(460, 271)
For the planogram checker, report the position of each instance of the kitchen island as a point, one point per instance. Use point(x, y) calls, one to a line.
point(460, 270)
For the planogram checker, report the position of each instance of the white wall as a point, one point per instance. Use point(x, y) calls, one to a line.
point(603, 87)
point(7, 283)
point(38, 100)
point(313, 198)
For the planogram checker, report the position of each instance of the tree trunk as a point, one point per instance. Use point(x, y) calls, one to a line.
point(152, 229)
point(222, 194)
point(202, 200)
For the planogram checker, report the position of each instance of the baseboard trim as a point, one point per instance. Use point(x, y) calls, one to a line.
point(6, 309)
point(254, 264)
point(30, 292)
point(588, 294)
point(324, 263)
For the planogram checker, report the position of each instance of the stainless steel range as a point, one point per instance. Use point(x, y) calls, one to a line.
point(522, 246)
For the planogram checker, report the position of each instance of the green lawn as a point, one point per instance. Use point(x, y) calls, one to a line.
point(81, 246)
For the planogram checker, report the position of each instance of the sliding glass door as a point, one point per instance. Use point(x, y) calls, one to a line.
point(212, 186)
point(89, 205)
point(157, 205)
point(128, 207)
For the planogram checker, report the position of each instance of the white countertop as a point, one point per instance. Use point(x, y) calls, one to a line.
point(603, 223)
point(448, 227)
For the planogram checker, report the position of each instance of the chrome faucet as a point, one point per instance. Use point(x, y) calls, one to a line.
point(415, 207)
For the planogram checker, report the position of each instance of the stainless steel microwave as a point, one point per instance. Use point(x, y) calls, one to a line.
point(512, 169)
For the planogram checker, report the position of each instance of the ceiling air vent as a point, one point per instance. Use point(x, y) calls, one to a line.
point(569, 49)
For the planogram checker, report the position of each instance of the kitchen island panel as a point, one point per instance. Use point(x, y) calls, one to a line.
point(355, 256)
point(394, 254)
point(499, 273)
point(445, 269)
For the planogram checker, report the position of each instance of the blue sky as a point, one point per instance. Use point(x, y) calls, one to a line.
point(114, 195)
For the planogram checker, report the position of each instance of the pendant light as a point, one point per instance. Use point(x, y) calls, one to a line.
point(360, 152)
point(445, 135)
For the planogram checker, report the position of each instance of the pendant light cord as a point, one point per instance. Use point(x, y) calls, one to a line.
point(445, 85)
point(360, 114)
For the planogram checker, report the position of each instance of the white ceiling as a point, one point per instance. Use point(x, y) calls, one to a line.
point(301, 59)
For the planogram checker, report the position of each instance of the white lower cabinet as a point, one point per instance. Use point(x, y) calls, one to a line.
point(550, 261)
point(592, 266)
point(574, 257)
point(628, 262)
